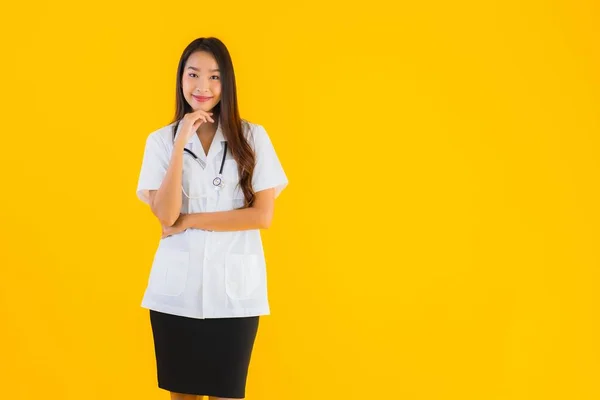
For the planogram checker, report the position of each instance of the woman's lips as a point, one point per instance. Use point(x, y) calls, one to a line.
point(201, 99)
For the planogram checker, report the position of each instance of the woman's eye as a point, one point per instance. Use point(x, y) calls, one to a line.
point(190, 74)
point(215, 76)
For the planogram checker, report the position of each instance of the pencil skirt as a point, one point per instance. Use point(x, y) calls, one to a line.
point(207, 357)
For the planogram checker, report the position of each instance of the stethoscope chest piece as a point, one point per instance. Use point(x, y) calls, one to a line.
point(218, 182)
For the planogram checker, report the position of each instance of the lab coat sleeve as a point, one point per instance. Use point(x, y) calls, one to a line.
point(154, 167)
point(268, 172)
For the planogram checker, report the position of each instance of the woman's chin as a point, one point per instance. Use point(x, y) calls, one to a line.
point(206, 108)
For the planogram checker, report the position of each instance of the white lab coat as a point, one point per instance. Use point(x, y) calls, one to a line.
point(209, 274)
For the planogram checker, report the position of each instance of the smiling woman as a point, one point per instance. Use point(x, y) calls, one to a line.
point(201, 85)
point(211, 179)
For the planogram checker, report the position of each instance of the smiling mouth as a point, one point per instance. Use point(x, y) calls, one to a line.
point(201, 98)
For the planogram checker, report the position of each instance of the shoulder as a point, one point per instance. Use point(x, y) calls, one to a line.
point(255, 133)
point(162, 137)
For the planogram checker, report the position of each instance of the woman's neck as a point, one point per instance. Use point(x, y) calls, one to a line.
point(206, 133)
point(208, 129)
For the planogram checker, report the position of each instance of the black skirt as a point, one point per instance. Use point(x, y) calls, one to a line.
point(203, 356)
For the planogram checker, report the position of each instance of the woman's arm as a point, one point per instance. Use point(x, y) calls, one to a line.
point(258, 216)
point(166, 201)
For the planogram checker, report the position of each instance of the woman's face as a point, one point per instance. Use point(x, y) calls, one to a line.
point(201, 81)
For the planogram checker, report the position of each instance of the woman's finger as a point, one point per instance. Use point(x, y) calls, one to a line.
point(201, 118)
point(197, 124)
point(206, 114)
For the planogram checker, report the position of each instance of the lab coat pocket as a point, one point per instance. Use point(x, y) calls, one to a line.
point(243, 275)
point(169, 271)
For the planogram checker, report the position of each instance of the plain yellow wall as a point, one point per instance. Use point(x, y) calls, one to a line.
point(438, 239)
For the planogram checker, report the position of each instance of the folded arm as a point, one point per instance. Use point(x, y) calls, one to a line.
point(258, 216)
point(166, 201)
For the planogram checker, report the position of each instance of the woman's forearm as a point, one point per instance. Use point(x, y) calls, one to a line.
point(166, 204)
point(234, 220)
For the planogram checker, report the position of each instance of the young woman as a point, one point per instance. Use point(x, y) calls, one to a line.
point(211, 179)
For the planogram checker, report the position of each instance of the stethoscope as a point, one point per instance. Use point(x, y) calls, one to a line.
point(217, 182)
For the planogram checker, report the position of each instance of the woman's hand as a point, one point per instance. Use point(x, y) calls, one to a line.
point(178, 227)
point(189, 125)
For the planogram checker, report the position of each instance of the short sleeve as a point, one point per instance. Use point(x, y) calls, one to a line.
point(268, 172)
point(154, 167)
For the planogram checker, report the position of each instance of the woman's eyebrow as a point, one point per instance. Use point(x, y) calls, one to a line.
point(198, 69)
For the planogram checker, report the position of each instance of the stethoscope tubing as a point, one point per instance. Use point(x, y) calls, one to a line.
point(218, 181)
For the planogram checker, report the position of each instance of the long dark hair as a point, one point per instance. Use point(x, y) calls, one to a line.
point(226, 109)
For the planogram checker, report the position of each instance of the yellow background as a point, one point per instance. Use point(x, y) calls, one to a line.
point(438, 239)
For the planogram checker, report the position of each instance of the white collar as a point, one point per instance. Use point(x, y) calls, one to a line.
point(195, 145)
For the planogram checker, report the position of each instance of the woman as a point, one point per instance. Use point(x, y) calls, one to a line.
point(211, 179)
